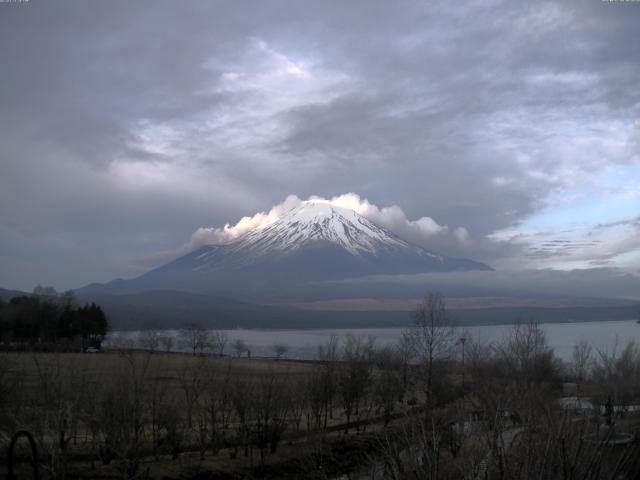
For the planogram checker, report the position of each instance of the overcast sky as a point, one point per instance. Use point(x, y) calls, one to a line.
point(507, 132)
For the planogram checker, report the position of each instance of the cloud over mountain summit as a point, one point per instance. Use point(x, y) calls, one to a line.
point(391, 217)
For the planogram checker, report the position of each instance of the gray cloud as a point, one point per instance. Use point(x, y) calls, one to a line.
point(127, 126)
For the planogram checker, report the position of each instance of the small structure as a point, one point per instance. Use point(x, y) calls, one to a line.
point(577, 404)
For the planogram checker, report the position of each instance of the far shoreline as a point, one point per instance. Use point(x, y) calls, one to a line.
point(382, 327)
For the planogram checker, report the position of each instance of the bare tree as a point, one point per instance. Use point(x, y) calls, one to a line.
point(60, 393)
point(298, 400)
point(192, 379)
point(268, 413)
point(240, 346)
point(280, 349)
point(617, 373)
point(315, 395)
point(219, 340)
point(218, 405)
point(157, 403)
point(149, 340)
point(581, 358)
point(404, 355)
point(388, 385)
point(355, 374)
point(122, 414)
point(413, 450)
point(527, 357)
point(241, 400)
point(166, 341)
point(11, 394)
point(194, 337)
point(327, 381)
point(432, 337)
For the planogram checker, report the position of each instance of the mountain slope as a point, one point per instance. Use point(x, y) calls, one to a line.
point(312, 243)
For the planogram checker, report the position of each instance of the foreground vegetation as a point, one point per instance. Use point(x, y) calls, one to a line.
point(437, 405)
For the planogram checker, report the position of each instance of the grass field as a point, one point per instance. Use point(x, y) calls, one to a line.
point(108, 414)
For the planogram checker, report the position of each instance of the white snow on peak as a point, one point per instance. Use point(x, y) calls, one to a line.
point(315, 221)
point(310, 224)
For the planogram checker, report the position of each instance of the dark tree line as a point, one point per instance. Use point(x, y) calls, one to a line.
point(51, 321)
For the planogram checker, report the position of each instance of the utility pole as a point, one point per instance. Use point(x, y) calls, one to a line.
point(462, 341)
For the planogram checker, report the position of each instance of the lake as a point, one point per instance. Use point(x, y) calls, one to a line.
point(304, 344)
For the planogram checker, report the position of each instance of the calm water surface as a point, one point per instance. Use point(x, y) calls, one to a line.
point(304, 343)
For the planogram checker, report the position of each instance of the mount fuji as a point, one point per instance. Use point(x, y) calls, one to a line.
point(314, 243)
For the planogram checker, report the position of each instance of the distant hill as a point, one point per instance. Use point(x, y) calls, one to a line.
point(171, 309)
point(7, 295)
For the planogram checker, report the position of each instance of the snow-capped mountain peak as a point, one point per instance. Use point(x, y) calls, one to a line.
point(314, 242)
point(316, 222)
